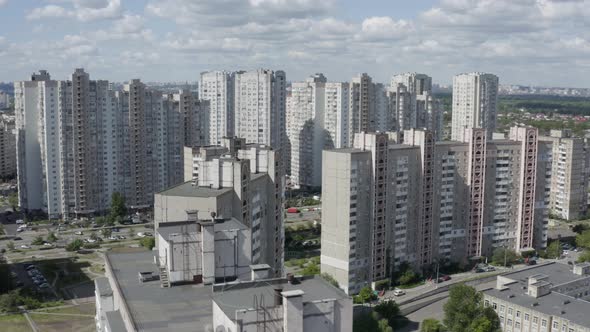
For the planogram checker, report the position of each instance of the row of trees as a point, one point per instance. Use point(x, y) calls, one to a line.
point(464, 312)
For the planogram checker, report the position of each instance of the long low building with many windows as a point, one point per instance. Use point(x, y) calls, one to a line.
point(551, 297)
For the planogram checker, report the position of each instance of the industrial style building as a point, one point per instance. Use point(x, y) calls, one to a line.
point(428, 201)
point(241, 181)
point(78, 141)
point(475, 103)
point(281, 305)
point(551, 297)
point(569, 181)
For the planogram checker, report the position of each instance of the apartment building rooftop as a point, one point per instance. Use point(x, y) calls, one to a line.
point(153, 308)
point(189, 189)
point(232, 297)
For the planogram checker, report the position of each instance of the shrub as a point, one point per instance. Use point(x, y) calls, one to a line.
point(148, 242)
point(74, 245)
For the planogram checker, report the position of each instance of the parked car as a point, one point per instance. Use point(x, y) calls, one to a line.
point(44, 285)
point(490, 269)
point(20, 221)
point(79, 233)
point(24, 246)
point(141, 234)
point(121, 237)
point(90, 240)
point(445, 278)
point(112, 238)
point(29, 267)
point(398, 292)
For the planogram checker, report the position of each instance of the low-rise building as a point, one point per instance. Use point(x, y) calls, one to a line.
point(281, 305)
point(551, 297)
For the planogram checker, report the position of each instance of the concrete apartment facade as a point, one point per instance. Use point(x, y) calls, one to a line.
point(414, 105)
point(7, 147)
point(78, 141)
point(217, 87)
point(475, 99)
point(247, 185)
point(551, 297)
point(429, 202)
point(568, 195)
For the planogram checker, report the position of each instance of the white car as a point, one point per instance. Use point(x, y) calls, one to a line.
point(399, 292)
point(79, 233)
point(141, 234)
point(565, 252)
point(44, 285)
point(24, 246)
point(113, 238)
point(90, 240)
point(20, 221)
point(47, 244)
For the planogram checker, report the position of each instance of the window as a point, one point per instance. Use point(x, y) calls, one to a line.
point(518, 314)
point(510, 311)
point(486, 303)
point(509, 322)
point(517, 325)
point(535, 319)
point(555, 325)
point(502, 308)
point(526, 317)
point(495, 305)
point(544, 323)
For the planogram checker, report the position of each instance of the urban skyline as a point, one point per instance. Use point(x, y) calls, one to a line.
point(177, 39)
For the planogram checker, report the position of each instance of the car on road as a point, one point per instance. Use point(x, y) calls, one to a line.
point(17, 238)
point(47, 244)
point(90, 240)
point(20, 221)
point(113, 238)
point(565, 252)
point(24, 246)
point(141, 234)
point(121, 237)
point(445, 278)
point(490, 269)
point(79, 233)
point(479, 270)
point(398, 292)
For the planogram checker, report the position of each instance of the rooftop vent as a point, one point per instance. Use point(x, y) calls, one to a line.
point(510, 296)
point(566, 302)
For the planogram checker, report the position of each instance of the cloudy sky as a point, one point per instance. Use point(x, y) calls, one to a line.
point(533, 42)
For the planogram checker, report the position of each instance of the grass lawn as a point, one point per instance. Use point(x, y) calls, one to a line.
point(416, 284)
point(82, 309)
point(74, 318)
point(14, 323)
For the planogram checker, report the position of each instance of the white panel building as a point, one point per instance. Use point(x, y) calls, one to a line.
point(475, 98)
point(217, 87)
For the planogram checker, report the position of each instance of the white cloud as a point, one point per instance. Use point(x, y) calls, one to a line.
point(82, 10)
point(3, 2)
point(385, 28)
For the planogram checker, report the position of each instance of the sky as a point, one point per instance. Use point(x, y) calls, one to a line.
point(529, 42)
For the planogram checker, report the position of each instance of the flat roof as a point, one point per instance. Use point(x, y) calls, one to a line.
point(240, 295)
point(165, 229)
point(348, 150)
point(555, 273)
point(551, 304)
point(153, 308)
point(103, 286)
point(187, 189)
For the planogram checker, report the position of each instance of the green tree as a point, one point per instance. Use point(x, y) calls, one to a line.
point(554, 249)
point(431, 325)
point(584, 257)
point(51, 237)
point(328, 277)
point(13, 201)
point(74, 245)
point(502, 255)
point(10, 245)
point(388, 310)
point(408, 277)
point(118, 208)
point(148, 242)
point(383, 326)
point(583, 240)
point(463, 307)
point(5, 278)
point(106, 232)
point(579, 228)
point(38, 241)
point(366, 295)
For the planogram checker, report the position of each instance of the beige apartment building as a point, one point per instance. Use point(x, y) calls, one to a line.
point(428, 202)
point(568, 195)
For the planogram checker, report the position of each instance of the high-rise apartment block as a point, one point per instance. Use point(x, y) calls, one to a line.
point(217, 87)
point(414, 105)
point(323, 115)
point(260, 101)
point(475, 98)
point(79, 141)
point(569, 181)
point(4, 100)
point(7, 147)
point(245, 183)
point(393, 199)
